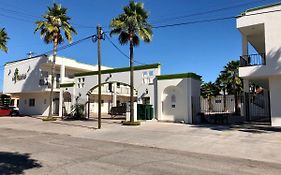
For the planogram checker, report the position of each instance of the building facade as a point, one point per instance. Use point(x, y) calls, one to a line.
point(260, 28)
point(76, 83)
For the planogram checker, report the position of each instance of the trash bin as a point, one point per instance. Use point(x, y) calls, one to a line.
point(144, 112)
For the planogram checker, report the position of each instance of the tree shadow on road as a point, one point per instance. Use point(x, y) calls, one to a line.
point(16, 163)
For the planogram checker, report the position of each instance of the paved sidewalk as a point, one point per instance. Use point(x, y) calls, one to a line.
point(255, 144)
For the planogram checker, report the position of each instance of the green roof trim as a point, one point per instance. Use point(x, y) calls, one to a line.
point(259, 8)
point(67, 85)
point(116, 70)
point(176, 76)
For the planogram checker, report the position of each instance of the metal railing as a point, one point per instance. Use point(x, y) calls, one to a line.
point(252, 60)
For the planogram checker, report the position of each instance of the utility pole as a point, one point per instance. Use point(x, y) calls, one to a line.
point(99, 37)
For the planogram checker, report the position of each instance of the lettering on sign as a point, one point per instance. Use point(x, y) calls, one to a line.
point(17, 76)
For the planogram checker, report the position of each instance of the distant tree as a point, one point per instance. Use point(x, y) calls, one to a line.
point(131, 25)
point(209, 90)
point(3, 40)
point(51, 26)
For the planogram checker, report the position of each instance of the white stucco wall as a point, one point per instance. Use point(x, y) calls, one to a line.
point(29, 67)
point(41, 103)
point(272, 28)
point(181, 109)
point(92, 80)
point(275, 100)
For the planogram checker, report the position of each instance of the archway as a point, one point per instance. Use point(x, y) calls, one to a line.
point(173, 105)
point(114, 100)
point(66, 103)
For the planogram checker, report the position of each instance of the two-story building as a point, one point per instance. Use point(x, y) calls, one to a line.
point(261, 29)
point(28, 80)
point(76, 83)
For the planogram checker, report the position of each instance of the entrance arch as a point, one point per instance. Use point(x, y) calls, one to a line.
point(115, 94)
point(67, 99)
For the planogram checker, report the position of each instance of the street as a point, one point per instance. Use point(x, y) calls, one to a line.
point(34, 152)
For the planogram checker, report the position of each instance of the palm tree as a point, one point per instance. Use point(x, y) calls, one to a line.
point(234, 82)
point(131, 25)
point(53, 23)
point(209, 90)
point(3, 40)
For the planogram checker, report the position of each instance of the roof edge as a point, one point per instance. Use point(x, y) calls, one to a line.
point(116, 70)
point(258, 8)
point(177, 76)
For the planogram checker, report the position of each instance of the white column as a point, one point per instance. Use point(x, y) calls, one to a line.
point(62, 73)
point(60, 102)
point(246, 85)
point(244, 45)
point(114, 99)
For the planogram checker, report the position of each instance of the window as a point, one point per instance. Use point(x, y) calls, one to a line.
point(44, 78)
point(173, 101)
point(45, 101)
point(25, 102)
point(151, 73)
point(118, 85)
point(31, 102)
point(80, 83)
point(12, 102)
point(217, 101)
point(102, 102)
point(144, 74)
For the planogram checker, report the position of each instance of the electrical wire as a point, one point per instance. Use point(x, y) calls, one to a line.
point(208, 12)
point(117, 48)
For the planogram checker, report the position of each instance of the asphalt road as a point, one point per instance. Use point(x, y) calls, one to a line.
point(33, 152)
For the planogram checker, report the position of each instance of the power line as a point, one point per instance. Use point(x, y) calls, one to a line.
point(117, 48)
point(209, 11)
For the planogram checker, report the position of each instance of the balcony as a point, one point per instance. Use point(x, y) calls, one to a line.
point(252, 60)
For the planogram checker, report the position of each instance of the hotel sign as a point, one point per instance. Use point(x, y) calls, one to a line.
point(17, 76)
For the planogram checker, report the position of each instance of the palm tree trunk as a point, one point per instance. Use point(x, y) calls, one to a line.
point(131, 79)
point(52, 78)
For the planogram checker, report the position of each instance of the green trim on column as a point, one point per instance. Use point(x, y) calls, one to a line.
point(67, 85)
point(259, 8)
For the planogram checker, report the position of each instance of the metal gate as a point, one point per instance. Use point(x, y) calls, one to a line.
point(257, 107)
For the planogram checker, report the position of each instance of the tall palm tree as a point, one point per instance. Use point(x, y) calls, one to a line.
point(51, 26)
point(3, 40)
point(131, 25)
point(234, 82)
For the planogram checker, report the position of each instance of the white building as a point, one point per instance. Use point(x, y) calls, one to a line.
point(261, 28)
point(28, 80)
point(170, 95)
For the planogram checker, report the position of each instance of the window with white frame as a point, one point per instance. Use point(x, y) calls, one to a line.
point(81, 82)
point(147, 77)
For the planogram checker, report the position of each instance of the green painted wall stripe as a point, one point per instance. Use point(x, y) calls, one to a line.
point(67, 85)
point(175, 76)
point(259, 8)
point(116, 70)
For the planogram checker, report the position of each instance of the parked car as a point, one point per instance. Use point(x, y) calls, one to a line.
point(9, 111)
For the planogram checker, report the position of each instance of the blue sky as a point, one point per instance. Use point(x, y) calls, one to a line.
point(202, 48)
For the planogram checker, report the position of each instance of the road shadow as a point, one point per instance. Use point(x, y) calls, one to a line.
point(254, 128)
point(16, 163)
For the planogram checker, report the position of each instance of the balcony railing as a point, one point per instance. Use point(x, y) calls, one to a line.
point(252, 60)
